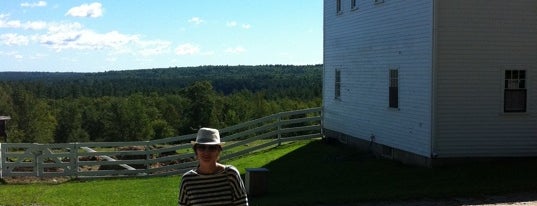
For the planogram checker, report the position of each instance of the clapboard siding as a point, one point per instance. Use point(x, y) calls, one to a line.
point(364, 44)
point(477, 40)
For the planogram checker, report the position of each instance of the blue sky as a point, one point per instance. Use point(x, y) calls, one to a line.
point(96, 36)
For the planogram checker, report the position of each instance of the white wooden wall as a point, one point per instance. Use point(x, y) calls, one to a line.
point(477, 41)
point(364, 44)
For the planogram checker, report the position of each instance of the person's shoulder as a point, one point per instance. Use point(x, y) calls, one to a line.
point(190, 173)
point(231, 169)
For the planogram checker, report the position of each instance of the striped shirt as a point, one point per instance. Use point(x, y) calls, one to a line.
point(223, 188)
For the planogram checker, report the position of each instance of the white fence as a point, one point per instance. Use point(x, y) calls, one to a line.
point(167, 156)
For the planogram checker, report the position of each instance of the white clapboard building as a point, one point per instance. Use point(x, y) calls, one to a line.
point(426, 81)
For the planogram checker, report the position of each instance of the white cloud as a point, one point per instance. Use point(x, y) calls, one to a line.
point(235, 24)
point(195, 20)
point(14, 39)
point(37, 56)
point(62, 36)
point(6, 23)
point(93, 10)
point(235, 50)
point(16, 24)
point(12, 54)
point(231, 24)
point(74, 36)
point(36, 4)
point(35, 25)
point(187, 49)
point(156, 47)
point(111, 59)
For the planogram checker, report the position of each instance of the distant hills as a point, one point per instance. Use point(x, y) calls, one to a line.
point(225, 79)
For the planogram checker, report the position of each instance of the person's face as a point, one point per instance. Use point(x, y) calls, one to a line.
point(207, 153)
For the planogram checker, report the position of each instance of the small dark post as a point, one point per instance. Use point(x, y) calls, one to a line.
point(3, 120)
point(256, 181)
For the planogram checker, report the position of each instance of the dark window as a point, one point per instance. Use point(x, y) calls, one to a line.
point(338, 6)
point(353, 4)
point(3, 128)
point(337, 92)
point(394, 88)
point(514, 99)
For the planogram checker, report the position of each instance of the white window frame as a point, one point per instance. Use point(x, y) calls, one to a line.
point(338, 7)
point(354, 5)
point(515, 80)
point(393, 87)
point(337, 84)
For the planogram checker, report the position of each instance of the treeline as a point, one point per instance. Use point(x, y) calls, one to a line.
point(149, 104)
point(277, 80)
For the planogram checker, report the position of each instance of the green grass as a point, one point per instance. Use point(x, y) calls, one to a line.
point(301, 173)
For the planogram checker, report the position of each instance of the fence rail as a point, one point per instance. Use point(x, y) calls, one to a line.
point(161, 157)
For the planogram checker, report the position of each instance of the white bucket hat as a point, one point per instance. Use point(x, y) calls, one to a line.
point(208, 136)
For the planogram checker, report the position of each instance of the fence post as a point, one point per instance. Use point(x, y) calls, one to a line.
point(37, 152)
point(147, 156)
point(74, 161)
point(1, 160)
point(279, 129)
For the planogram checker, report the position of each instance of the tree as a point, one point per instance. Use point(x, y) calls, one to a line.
point(200, 112)
point(161, 129)
point(69, 128)
point(34, 119)
point(152, 103)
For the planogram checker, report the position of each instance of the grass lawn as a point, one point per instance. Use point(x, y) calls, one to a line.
point(301, 173)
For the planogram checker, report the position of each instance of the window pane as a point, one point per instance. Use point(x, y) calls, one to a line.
point(513, 84)
point(393, 97)
point(515, 74)
point(393, 89)
point(337, 85)
point(515, 100)
point(515, 91)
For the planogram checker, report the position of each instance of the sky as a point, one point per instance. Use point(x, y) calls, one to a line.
point(111, 35)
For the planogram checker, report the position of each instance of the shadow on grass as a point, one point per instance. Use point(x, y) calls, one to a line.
point(320, 174)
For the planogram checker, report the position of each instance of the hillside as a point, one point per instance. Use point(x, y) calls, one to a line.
point(149, 104)
point(225, 79)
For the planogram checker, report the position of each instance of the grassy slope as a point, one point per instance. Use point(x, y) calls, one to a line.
point(301, 173)
point(318, 174)
point(131, 191)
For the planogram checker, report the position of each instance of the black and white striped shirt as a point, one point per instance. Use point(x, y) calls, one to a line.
point(222, 188)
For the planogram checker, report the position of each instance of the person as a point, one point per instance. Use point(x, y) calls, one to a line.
point(211, 183)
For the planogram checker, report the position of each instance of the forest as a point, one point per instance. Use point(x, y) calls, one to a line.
point(132, 105)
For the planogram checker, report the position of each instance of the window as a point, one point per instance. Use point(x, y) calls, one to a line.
point(353, 5)
point(3, 128)
point(378, 1)
point(394, 88)
point(514, 99)
point(337, 86)
point(338, 6)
